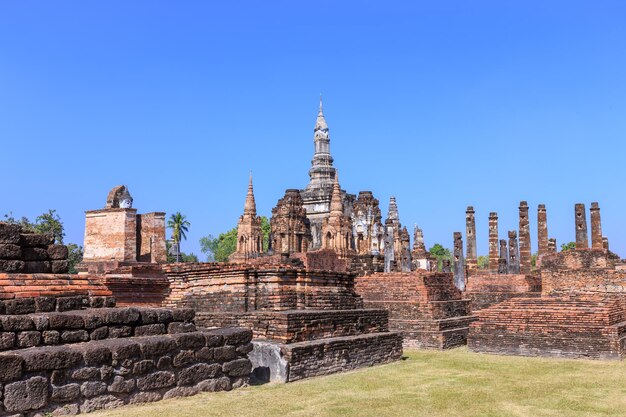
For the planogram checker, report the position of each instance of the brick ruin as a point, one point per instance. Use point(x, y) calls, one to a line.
point(30, 253)
point(305, 322)
point(581, 311)
point(66, 348)
point(425, 307)
point(249, 233)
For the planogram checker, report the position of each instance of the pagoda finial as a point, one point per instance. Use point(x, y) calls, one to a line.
point(320, 103)
point(250, 206)
point(336, 203)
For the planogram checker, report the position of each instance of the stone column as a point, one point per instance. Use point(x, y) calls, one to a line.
point(605, 242)
point(552, 245)
point(542, 232)
point(445, 265)
point(596, 227)
point(513, 266)
point(459, 267)
point(470, 231)
point(582, 241)
point(493, 242)
point(504, 255)
point(524, 239)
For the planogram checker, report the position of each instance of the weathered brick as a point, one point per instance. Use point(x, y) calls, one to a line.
point(31, 394)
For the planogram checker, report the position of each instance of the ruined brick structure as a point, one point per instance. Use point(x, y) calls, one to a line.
point(581, 311)
point(426, 307)
point(596, 227)
point(493, 242)
point(525, 256)
point(30, 253)
point(337, 227)
point(291, 229)
point(118, 233)
point(249, 233)
point(367, 228)
point(542, 233)
point(305, 322)
point(513, 263)
point(66, 348)
point(397, 247)
point(459, 262)
point(419, 256)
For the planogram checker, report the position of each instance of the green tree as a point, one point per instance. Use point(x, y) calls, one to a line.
point(180, 226)
point(441, 253)
point(568, 246)
point(75, 256)
point(218, 249)
point(483, 262)
point(50, 222)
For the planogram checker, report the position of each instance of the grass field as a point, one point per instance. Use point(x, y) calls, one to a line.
point(426, 383)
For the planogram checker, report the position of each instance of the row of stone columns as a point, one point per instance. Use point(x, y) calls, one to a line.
point(582, 239)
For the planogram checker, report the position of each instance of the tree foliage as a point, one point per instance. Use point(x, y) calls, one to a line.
point(568, 246)
point(180, 226)
point(440, 253)
point(218, 249)
point(183, 256)
point(48, 222)
point(75, 256)
point(483, 262)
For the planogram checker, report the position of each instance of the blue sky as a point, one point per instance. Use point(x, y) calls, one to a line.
point(442, 104)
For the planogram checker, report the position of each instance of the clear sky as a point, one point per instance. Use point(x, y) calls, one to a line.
point(443, 104)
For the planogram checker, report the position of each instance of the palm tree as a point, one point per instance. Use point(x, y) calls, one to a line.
point(180, 226)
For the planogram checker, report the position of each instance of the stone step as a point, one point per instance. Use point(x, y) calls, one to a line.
point(84, 377)
point(67, 327)
point(44, 304)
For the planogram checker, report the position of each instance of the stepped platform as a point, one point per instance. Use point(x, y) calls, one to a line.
point(305, 322)
point(65, 348)
point(485, 290)
point(425, 307)
point(574, 327)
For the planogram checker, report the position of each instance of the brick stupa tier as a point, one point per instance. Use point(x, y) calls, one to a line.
point(426, 307)
point(305, 322)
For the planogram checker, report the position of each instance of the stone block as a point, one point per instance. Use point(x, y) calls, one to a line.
point(10, 251)
point(28, 339)
point(236, 336)
point(10, 367)
point(165, 315)
point(145, 397)
point(57, 252)
point(58, 377)
point(69, 303)
point(93, 388)
point(178, 327)
point(74, 336)
point(123, 316)
point(20, 306)
point(31, 394)
point(225, 353)
point(96, 355)
point(36, 239)
point(65, 393)
point(165, 362)
point(34, 254)
point(10, 233)
point(100, 403)
point(47, 358)
point(184, 358)
point(143, 367)
point(12, 266)
point(40, 321)
point(45, 304)
point(150, 329)
point(198, 372)
point(156, 380)
point(121, 385)
point(64, 321)
point(123, 349)
point(213, 340)
point(245, 349)
point(99, 333)
point(86, 373)
point(59, 267)
point(51, 337)
point(115, 332)
point(215, 384)
point(157, 346)
point(94, 319)
point(190, 340)
point(183, 314)
point(238, 367)
point(204, 354)
point(7, 340)
point(96, 302)
point(180, 392)
point(17, 323)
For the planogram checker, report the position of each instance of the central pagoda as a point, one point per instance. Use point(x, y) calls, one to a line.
point(317, 195)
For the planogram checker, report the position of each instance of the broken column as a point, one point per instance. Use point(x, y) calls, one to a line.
point(503, 260)
point(542, 232)
point(513, 266)
point(445, 265)
point(582, 241)
point(605, 242)
point(459, 267)
point(493, 242)
point(470, 231)
point(596, 227)
point(525, 256)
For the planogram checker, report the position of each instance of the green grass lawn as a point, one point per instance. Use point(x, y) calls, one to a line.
point(426, 383)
